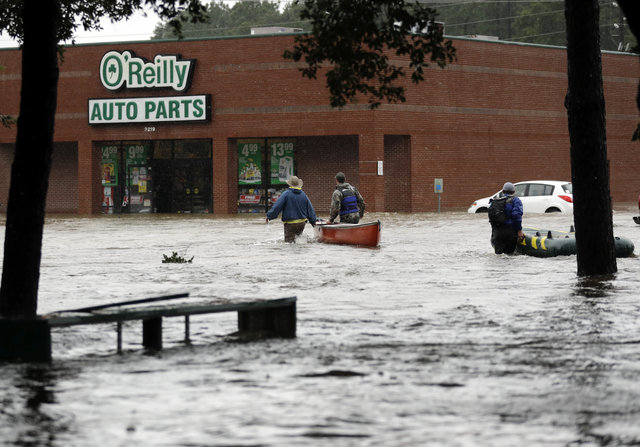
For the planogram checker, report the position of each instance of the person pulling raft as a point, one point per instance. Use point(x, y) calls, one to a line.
point(505, 217)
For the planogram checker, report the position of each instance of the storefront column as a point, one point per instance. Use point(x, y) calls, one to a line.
point(88, 181)
point(425, 168)
point(371, 185)
point(222, 179)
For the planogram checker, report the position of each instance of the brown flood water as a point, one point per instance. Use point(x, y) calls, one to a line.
point(431, 339)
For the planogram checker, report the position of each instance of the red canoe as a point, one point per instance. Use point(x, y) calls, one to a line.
point(363, 234)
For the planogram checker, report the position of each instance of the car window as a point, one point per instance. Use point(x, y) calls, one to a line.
point(521, 190)
point(568, 188)
point(539, 189)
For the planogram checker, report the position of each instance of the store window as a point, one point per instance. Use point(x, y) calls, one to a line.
point(167, 176)
point(264, 165)
point(126, 177)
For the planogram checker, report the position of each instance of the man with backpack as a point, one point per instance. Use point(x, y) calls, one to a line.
point(346, 202)
point(505, 216)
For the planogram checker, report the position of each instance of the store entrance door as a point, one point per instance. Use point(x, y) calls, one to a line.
point(137, 197)
point(182, 186)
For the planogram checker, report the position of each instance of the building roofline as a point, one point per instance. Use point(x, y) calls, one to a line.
point(258, 36)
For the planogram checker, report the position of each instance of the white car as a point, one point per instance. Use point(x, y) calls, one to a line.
point(538, 196)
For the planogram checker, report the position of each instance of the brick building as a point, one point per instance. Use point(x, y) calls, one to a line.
point(217, 125)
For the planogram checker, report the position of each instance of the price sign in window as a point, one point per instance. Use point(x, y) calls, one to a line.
point(136, 154)
point(250, 162)
point(282, 165)
point(109, 165)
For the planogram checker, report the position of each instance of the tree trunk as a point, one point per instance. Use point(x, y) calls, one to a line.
point(32, 161)
point(587, 133)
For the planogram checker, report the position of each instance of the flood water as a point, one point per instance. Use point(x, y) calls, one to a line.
point(431, 339)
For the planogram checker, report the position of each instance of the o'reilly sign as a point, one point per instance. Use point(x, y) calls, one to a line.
point(123, 70)
point(119, 70)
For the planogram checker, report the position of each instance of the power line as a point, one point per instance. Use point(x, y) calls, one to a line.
point(505, 18)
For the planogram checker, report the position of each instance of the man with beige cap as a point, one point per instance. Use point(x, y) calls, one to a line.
point(296, 210)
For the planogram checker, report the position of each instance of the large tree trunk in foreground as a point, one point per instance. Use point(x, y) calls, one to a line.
point(32, 161)
point(587, 132)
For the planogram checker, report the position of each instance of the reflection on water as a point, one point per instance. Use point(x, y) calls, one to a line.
point(595, 286)
point(429, 340)
point(26, 403)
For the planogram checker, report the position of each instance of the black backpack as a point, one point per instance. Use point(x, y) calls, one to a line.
point(497, 214)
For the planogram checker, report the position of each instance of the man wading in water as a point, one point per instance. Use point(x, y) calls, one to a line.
point(296, 210)
point(505, 216)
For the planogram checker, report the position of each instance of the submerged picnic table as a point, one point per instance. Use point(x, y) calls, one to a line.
point(264, 317)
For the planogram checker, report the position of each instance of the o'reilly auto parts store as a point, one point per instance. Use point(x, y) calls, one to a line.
point(217, 126)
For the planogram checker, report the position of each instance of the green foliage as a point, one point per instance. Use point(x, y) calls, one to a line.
point(175, 259)
point(10, 18)
point(355, 39)
point(7, 121)
point(541, 23)
point(222, 20)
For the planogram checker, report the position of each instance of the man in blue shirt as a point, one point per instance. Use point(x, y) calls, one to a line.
point(296, 210)
point(505, 235)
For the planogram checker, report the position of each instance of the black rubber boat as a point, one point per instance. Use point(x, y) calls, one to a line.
point(549, 243)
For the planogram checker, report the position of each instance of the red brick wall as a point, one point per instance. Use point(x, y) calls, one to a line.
point(496, 114)
point(397, 173)
point(63, 180)
point(319, 159)
point(62, 196)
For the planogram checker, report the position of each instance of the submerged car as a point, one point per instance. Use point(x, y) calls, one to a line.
point(538, 196)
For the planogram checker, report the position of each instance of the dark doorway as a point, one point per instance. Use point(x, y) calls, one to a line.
point(183, 186)
point(183, 176)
